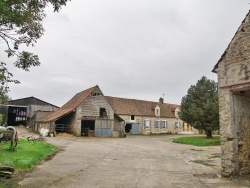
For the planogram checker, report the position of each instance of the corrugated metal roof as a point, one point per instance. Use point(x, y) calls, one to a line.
point(28, 101)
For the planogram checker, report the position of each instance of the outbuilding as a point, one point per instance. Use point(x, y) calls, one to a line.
point(233, 70)
point(88, 113)
point(21, 111)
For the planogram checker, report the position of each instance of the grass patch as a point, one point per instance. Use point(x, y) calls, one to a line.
point(26, 154)
point(198, 140)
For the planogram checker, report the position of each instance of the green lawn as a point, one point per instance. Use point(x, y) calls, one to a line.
point(198, 140)
point(26, 154)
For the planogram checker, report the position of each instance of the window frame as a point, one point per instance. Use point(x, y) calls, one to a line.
point(158, 124)
point(145, 124)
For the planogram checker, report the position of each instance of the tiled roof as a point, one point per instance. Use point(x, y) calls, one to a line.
point(70, 105)
point(124, 106)
point(121, 106)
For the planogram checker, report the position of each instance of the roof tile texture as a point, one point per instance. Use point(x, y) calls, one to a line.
point(124, 106)
point(70, 105)
point(121, 106)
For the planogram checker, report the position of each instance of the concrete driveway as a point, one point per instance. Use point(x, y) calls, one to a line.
point(135, 161)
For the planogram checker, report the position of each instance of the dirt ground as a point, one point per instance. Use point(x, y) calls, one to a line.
point(134, 161)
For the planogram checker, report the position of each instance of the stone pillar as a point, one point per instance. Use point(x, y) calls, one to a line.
point(228, 132)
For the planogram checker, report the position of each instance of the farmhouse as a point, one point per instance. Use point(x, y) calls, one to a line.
point(146, 117)
point(233, 70)
point(90, 113)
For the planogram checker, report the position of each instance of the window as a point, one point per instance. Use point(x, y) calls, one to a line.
point(157, 124)
point(177, 125)
point(163, 125)
point(146, 124)
point(177, 112)
point(103, 112)
point(95, 94)
point(132, 117)
point(157, 111)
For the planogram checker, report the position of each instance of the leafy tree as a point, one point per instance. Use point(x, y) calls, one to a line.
point(200, 107)
point(21, 23)
point(5, 78)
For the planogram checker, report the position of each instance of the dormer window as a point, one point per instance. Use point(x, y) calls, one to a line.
point(157, 111)
point(176, 112)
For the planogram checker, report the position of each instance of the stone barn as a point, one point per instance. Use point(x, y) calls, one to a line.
point(233, 70)
point(88, 113)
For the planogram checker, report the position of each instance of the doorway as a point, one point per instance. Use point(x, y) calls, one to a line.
point(87, 127)
point(241, 115)
point(128, 127)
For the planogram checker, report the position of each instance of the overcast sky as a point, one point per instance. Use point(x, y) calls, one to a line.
point(138, 49)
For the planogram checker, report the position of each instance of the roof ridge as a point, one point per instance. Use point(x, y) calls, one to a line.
point(142, 100)
point(69, 106)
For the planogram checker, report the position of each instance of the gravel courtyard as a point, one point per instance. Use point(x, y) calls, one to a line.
point(135, 161)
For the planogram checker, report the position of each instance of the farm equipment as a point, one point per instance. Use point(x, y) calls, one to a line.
point(9, 134)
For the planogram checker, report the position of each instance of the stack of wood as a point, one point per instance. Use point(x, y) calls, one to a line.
point(6, 171)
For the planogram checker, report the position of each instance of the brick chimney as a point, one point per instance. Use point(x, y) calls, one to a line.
point(161, 100)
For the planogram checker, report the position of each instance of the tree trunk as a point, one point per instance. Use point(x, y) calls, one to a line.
point(208, 133)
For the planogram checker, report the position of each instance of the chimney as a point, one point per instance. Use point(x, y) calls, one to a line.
point(161, 100)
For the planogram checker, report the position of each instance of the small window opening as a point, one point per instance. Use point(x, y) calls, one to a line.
point(103, 112)
point(132, 117)
point(95, 94)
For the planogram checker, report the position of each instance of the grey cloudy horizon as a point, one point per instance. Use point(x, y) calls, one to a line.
point(132, 49)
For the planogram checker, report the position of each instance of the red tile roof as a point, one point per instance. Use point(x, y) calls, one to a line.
point(121, 106)
point(124, 106)
point(69, 106)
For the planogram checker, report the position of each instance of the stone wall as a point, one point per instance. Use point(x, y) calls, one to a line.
point(140, 119)
point(234, 99)
point(242, 119)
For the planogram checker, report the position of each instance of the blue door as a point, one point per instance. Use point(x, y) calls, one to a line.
point(135, 128)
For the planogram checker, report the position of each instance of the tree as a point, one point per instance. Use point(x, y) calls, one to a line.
point(200, 107)
point(21, 23)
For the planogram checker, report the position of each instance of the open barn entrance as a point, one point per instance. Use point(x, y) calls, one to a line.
point(62, 125)
point(17, 115)
point(87, 127)
point(128, 127)
point(241, 116)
